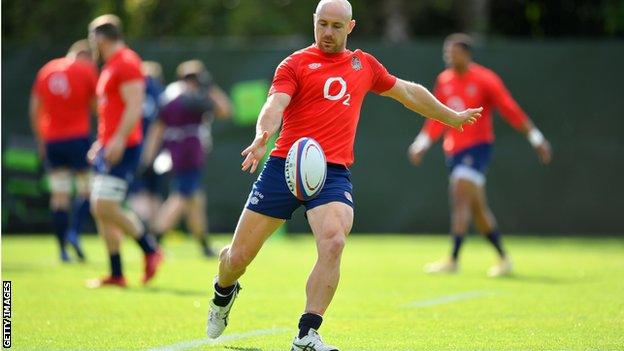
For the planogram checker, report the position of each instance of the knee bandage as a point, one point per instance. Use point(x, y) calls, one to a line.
point(469, 174)
point(106, 187)
point(60, 181)
point(83, 183)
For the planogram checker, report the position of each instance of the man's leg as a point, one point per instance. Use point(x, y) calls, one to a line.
point(168, 216)
point(80, 210)
point(196, 221)
point(461, 193)
point(107, 195)
point(251, 232)
point(486, 224)
point(460, 198)
point(60, 186)
point(330, 223)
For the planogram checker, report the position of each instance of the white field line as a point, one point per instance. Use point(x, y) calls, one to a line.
point(449, 298)
point(191, 344)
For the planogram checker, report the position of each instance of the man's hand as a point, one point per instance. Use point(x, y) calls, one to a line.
point(544, 152)
point(415, 154)
point(468, 116)
point(93, 151)
point(255, 152)
point(418, 148)
point(114, 150)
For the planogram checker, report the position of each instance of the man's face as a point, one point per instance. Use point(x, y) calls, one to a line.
point(95, 41)
point(456, 56)
point(331, 28)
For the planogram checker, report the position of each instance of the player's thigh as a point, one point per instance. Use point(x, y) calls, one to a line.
point(170, 212)
point(251, 232)
point(196, 209)
point(60, 181)
point(461, 192)
point(83, 179)
point(334, 219)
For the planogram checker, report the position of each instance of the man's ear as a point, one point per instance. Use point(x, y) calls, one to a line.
point(351, 25)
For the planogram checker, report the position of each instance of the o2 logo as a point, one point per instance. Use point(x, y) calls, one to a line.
point(342, 93)
point(59, 84)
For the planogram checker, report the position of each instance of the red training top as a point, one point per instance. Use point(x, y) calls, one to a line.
point(327, 91)
point(124, 66)
point(479, 86)
point(65, 88)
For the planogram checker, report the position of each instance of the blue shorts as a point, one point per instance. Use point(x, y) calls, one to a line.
point(187, 182)
point(149, 181)
point(125, 168)
point(270, 195)
point(70, 153)
point(471, 163)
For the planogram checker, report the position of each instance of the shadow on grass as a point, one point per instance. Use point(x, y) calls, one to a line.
point(538, 279)
point(171, 291)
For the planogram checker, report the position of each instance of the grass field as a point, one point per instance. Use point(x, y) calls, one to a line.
point(566, 294)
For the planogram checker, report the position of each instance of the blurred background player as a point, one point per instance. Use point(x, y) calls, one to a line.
point(465, 83)
point(115, 155)
point(188, 104)
point(146, 190)
point(60, 104)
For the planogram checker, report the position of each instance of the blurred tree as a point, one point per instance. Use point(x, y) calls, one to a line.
point(66, 20)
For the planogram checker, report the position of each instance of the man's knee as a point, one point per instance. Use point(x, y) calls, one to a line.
point(332, 246)
point(101, 209)
point(60, 201)
point(236, 260)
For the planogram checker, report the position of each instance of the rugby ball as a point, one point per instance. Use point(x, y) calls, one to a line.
point(306, 169)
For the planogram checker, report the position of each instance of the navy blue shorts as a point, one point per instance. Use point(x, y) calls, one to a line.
point(70, 153)
point(187, 182)
point(149, 181)
point(125, 168)
point(270, 195)
point(477, 157)
point(471, 164)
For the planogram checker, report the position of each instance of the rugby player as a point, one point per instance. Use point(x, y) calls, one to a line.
point(60, 104)
point(466, 83)
point(188, 104)
point(120, 93)
point(316, 92)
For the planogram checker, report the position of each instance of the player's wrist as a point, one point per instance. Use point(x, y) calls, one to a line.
point(535, 137)
point(422, 142)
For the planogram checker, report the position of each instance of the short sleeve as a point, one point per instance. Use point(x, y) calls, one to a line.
point(382, 80)
point(37, 87)
point(285, 78)
point(126, 71)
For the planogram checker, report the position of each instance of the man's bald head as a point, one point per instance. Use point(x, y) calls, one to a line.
point(335, 7)
point(332, 25)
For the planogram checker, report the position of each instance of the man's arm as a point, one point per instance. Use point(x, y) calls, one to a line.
point(133, 94)
point(223, 106)
point(152, 142)
point(269, 121)
point(418, 99)
point(515, 116)
point(33, 110)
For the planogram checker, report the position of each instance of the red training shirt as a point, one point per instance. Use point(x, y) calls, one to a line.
point(327, 92)
point(65, 88)
point(122, 67)
point(479, 86)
